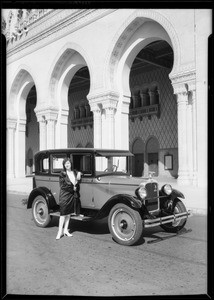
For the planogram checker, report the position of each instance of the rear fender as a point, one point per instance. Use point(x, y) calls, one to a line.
point(120, 198)
point(45, 193)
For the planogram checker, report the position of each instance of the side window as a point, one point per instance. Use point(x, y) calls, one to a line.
point(56, 163)
point(44, 164)
point(83, 163)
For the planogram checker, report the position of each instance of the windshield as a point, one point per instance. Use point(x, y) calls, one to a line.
point(111, 164)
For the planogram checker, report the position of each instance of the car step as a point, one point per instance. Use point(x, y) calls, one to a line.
point(159, 239)
point(73, 217)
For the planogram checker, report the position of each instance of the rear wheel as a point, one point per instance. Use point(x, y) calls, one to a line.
point(40, 212)
point(179, 224)
point(125, 224)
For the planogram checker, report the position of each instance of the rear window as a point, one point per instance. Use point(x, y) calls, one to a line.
point(42, 164)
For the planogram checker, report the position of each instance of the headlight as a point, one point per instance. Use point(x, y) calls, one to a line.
point(167, 189)
point(141, 192)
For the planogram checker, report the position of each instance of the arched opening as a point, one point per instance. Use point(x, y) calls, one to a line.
point(69, 86)
point(31, 132)
point(145, 66)
point(154, 112)
point(21, 104)
point(145, 53)
point(80, 118)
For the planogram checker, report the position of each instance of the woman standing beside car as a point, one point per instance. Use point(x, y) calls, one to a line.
point(68, 197)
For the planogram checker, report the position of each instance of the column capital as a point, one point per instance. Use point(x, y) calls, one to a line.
point(51, 116)
point(180, 88)
point(49, 113)
point(110, 105)
point(96, 108)
point(103, 96)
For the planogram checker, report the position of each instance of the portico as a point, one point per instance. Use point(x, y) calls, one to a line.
point(111, 94)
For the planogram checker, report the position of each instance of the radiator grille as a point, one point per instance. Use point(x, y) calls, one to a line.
point(151, 201)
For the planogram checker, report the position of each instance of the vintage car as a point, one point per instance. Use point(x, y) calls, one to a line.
point(107, 189)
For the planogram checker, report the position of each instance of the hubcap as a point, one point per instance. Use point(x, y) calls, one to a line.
point(40, 212)
point(123, 225)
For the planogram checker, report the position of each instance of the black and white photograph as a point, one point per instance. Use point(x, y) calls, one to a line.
point(106, 151)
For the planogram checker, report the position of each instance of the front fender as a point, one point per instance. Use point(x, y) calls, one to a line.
point(120, 198)
point(176, 193)
point(45, 193)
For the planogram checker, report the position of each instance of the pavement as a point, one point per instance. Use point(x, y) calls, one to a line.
point(195, 197)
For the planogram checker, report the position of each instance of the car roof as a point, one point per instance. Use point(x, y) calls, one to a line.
point(96, 151)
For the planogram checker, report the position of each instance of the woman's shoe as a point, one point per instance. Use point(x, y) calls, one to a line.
point(58, 237)
point(67, 234)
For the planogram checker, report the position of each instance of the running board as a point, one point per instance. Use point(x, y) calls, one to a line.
point(73, 217)
point(159, 239)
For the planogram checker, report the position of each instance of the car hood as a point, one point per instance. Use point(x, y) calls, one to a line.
point(122, 183)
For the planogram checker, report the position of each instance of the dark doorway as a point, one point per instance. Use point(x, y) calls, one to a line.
point(139, 164)
point(153, 163)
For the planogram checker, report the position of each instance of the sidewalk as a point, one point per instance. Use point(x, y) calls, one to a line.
point(195, 198)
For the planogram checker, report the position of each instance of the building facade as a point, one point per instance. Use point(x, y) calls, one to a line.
point(110, 78)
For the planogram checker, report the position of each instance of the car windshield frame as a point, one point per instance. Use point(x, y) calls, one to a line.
point(107, 163)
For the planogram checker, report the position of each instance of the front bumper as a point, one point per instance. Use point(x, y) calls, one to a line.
point(168, 219)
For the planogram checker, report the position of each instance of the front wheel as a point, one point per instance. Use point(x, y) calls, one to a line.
point(40, 212)
point(179, 224)
point(125, 224)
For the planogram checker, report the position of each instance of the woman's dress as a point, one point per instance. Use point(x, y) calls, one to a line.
point(68, 198)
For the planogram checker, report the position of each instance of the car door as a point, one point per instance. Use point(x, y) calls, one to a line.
point(83, 162)
point(56, 167)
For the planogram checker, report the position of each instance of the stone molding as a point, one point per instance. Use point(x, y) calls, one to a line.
point(103, 96)
point(103, 100)
point(57, 24)
point(135, 20)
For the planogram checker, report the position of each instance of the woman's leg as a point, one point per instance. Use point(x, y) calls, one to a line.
point(60, 230)
point(67, 220)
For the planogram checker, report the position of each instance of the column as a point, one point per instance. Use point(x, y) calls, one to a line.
point(144, 98)
point(189, 139)
point(62, 139)
point(194, 137)
point(152, 98)
point(182, 100)
point(97, 118)
point(11, 126)
point(42, 132)
point(20, 151)
point(122, 123)
point(109, 137)
point(51, 118)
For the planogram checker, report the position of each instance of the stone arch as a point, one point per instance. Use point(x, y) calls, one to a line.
point(129, 28)
point(18, 92)
point(21, 85)
point(68, 61)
